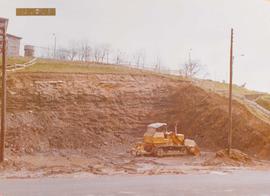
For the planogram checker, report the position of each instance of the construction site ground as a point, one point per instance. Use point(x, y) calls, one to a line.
point(56, 165)
point(67, 123)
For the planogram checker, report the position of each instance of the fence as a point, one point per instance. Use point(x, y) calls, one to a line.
point(16, 66)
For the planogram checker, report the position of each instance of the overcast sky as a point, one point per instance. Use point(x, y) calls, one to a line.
point(165, 28)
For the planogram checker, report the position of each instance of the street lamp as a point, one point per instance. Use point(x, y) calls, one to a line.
point(3, 51)
point(54, 48)
point(236, 57)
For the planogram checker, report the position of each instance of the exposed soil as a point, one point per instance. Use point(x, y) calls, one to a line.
point(96, 118)
point(235, 158)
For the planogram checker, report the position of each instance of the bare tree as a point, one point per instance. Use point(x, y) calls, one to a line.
point(107, 52)
point(73, 51)
point(139, 58)
point(98, 56)
point(191, 69)
point(85, 51)
point(157, 64)
point(80, 51)
point(102, 53)
point(62, 54)
point(119, 57)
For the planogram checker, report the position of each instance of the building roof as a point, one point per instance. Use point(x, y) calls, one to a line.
point(3, 19)
point(16, 37)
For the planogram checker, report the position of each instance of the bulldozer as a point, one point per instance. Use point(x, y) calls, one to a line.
point(158, 141)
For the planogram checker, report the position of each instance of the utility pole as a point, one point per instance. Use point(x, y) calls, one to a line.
point(230, 96)
point(54, 49)
point(3, 47)
point(189, 56)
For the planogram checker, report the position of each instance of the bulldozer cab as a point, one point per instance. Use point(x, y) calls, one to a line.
point(155, 130)
point(157, 127)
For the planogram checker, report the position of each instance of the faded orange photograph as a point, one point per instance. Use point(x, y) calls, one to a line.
point(134, 97)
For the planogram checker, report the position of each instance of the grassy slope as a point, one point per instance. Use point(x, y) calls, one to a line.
point(223, 88)
point(240, 94)
point(264, 101)
point(13, 60)
point(43, 65)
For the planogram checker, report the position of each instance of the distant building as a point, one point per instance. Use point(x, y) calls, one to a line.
point(14, 44)
point(29, 51)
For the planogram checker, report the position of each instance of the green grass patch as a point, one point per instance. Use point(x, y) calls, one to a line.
point(264, 101)
point(224, 87)
point(76, 68)
point(15, 60)
point(45, 65)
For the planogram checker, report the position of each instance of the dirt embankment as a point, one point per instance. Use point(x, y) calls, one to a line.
point(103, 114)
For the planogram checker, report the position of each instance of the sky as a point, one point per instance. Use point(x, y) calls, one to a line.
point(169, 29)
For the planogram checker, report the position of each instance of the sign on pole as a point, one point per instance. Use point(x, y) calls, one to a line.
point(35, 12)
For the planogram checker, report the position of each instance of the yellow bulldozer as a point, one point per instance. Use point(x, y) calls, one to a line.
point(158, 141)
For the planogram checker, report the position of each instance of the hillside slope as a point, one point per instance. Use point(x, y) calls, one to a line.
point(103, 114)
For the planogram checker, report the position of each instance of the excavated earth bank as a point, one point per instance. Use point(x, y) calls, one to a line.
point(101, 116)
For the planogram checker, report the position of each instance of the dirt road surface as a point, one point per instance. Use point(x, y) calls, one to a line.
point(241, 182)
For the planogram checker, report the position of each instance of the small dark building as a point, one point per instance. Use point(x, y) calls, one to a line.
point(29, 51)
point(14, 44)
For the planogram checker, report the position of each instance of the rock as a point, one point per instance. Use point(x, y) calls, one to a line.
point(235, 154)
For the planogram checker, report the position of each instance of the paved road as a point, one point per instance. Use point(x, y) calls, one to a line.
point(237, 183)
